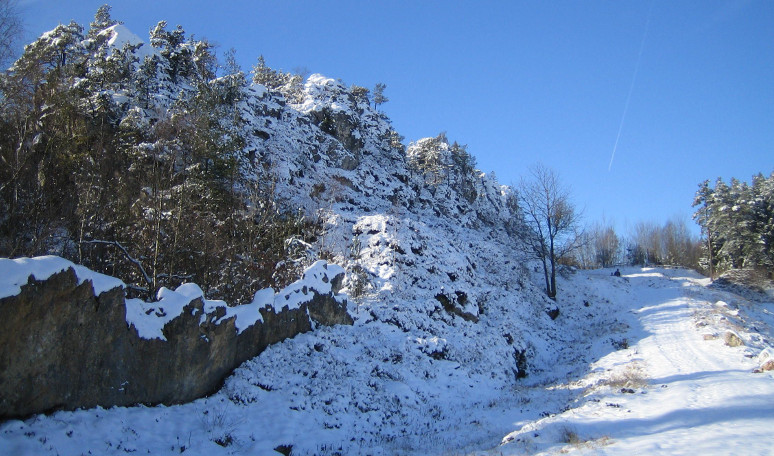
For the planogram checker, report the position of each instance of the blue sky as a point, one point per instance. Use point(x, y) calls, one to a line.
point(524, 82)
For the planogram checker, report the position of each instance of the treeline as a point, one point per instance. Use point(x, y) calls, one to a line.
point(737, 222)
point(647, 243)
point(134, 163)
point(737, 231)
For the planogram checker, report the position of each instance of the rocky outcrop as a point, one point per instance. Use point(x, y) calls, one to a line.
point(62, 347)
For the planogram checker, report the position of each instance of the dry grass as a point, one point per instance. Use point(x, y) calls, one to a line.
point(570, 437)
point(630, 378)
point(633, 376)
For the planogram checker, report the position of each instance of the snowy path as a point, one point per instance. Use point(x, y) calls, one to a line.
point(673, 392)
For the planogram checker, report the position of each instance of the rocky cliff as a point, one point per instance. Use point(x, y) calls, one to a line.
point(65, 346)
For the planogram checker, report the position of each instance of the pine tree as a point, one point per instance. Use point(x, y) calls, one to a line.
point(177, 54)
point(762, 219)
point(703, 216)
point(102, 21)
point(379, 97)
point(736, 221)
point(361, 94)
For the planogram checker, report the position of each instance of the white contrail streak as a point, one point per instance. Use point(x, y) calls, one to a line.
point(631, 87)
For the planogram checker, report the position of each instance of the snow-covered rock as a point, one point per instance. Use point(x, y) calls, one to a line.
point(69, 339)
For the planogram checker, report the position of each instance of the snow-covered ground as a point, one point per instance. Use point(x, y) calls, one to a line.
point(678, 388)
point(634, 365)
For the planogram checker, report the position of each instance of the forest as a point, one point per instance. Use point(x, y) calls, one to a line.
point(737, 222)
point(135, 163)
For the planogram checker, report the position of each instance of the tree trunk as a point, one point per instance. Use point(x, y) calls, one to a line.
point(545, 274)
point(552, 289)
point(552, 258)
point(709, 250)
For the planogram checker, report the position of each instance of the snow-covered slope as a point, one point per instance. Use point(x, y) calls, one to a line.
point(640, 366)
point(444, 309)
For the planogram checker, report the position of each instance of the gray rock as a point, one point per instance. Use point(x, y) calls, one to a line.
point(732, 339)
point(62, 347)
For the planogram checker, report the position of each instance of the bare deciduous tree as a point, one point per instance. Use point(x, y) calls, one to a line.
point(606, 245)
point(10, 29)
point(553, 219)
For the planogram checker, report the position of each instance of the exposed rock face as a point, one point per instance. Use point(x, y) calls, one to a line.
point(62, 347)
point(455, 305)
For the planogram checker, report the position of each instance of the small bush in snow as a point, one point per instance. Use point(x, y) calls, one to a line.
point(631, 377)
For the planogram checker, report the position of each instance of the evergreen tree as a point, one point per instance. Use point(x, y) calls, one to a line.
point(290, 85)
point(379, 97)
point(463, 165)
point(429, 157)
point(102, 21)
point(736, 221)
point(177, 54)
point(361, 94)
point(138, 169)
point(762, 219)
point(703, 216)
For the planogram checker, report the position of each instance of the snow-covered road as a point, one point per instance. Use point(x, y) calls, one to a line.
point(679, 389)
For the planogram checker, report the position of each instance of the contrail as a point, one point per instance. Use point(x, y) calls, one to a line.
point(631, 86)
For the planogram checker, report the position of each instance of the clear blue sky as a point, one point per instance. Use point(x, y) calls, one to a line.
point(524, 82)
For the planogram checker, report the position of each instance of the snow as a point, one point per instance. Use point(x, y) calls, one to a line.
point(149, 318)
point(323, 92)
point(691, 394)
point(411, 377)
point(316, 278)
point(372, 388)
point(14, 273)
point(120, 36)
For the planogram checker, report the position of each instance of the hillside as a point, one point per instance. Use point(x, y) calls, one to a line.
point(169, 156)
point(641, 364)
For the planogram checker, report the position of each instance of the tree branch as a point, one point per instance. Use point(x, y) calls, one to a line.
point(131, 259)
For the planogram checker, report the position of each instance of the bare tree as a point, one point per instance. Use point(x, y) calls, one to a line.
point(606, 243)
point(553, 219)
point(10, 29)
